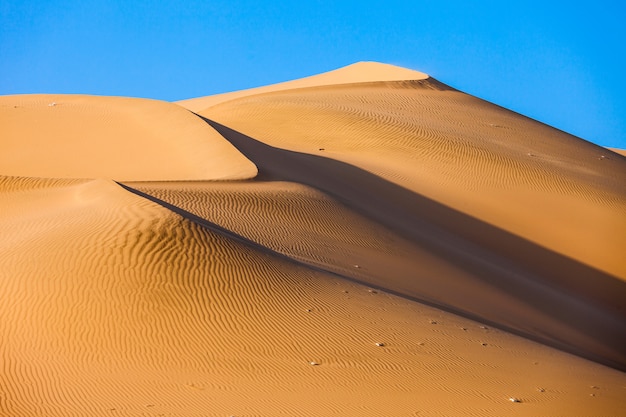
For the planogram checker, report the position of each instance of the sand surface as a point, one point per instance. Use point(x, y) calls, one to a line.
point(72, 136)
point(363, 242)
point(618, 151)
point(355, 73)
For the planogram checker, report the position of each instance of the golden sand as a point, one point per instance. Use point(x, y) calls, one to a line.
point(72, 136)
point(405, 249)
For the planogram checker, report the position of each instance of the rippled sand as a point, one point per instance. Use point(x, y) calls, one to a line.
point(365, 242)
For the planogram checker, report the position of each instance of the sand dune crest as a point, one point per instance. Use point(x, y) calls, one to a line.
point(355, 73)
point(70, 136)
point(490, 163)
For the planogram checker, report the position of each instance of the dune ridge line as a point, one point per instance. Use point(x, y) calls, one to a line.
point(534, 267)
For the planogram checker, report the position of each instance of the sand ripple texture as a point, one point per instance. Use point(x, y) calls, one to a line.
point(308, 226)
point(468, 154)
point(313, 282)
point(328, 234)
point(115, 306)
point(72, 136)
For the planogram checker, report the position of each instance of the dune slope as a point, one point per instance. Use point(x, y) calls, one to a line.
point(358, 72)
point(363, 242)
point(512, 282)
point(498, 194)
point(71, 136)
point(497, 166)
point(149, 313)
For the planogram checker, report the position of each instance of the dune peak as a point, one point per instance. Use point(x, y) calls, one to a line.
point(359, 72)
point(371, 71)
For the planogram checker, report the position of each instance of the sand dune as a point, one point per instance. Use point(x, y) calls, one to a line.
point(621, 152)
point(537, 292)
point(70, 136)
point(355, 73)
point(398, 239)
point(490, 163)
point(150, 313)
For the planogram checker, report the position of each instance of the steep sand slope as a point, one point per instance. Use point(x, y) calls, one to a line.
point(358, 72)
point(307, 290)
point(327, 235)
point(497, 166)
point(621, 152)
point(117, 306)
point(435, 267)
point(541, 294)
point(71, 136)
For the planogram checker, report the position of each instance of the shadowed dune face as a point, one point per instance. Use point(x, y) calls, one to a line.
point(68, 136)
point(151, 313)
point(512, 282)
point(385, 202)
point(495, 165)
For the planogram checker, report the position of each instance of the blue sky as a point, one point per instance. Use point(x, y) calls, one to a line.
point(562, 63)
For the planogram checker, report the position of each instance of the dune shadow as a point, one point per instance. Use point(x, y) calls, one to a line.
point(587, 304)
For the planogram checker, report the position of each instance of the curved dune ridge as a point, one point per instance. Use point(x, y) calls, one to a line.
point(358, 248)
point(366, 242)
point(135, 310)
point(488, 162)
point(72, 136)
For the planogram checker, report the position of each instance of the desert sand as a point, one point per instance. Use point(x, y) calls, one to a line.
point(365, 242)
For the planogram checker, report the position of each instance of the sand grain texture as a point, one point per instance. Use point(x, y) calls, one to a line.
point(396, 231)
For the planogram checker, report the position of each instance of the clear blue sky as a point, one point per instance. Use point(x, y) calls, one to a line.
point(560, 62)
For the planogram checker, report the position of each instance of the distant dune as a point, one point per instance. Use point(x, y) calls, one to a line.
point(366, 242)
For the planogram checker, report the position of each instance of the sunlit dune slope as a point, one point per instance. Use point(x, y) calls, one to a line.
point(359, 72)
point(114, 305)
point(536, 182)
point(364, 242)
point(71, 136)
point(581, 312)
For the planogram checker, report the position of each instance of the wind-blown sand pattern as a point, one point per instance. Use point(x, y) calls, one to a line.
point(404, 250)
point(490, 163)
